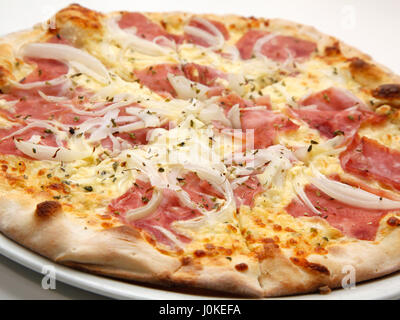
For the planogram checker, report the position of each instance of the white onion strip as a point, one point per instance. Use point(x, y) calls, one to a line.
point(303, 197)
point(261, 42)
point(170, 236)
point(350, 195)
point(41, 152)
point(37, 84)
point(68, 54)
point(129, 39)
point(36, 124)
point(187, 89)
point(234, 116)
point(149, 208)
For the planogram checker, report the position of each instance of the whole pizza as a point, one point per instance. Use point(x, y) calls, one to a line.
point(252, 156)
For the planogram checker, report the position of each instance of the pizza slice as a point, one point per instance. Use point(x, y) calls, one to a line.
point(251, 156)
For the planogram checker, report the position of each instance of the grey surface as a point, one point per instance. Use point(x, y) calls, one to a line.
point(18, 282)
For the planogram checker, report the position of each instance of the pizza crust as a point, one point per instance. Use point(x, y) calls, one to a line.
point(121, 252)
point(65, 240)
point(118, 252)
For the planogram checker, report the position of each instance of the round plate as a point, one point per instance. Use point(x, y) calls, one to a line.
point(383, 288)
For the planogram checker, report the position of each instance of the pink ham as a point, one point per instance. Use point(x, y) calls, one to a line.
point(278, 48)
point(202, 74)
point(156, 77)
point(367, 158)
point(264, 122)
point(145, 28)
point(8, 147)
point(196, 40)
point(332, 114)
point(246, 191)
point(169, 210)
point(353, 222)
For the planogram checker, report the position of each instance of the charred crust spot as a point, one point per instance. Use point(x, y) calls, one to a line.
point(313, 267)
point(107, 225)
point(199, 253)
point(60, 187)
point(358, 64)
point(268, 251)
point(366, 73)
point(47, 209)
point(241, 267)
point(5, 75)
point(333, 50)
point(387, 91)
point(324, 290)
point(186, 261)
point(209, 246)
point(163, 24)
point(393, 222)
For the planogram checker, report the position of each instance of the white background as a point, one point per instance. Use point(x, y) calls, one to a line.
point(372, 26)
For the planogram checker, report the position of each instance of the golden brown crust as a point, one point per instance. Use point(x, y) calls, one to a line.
point(77, 24)
point(121, 252)
point(47, 209)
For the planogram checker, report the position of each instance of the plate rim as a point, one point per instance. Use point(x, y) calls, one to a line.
point(385, 288)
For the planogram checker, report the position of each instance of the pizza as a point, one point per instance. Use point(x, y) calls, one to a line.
point(257, 157)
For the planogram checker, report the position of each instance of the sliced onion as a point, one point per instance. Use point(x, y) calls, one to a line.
point(68, 54)
point(329, 147)
point(170, 236)
point(52, 98)
point(236, 83)
point(213, 112)
point(37, 84)
point(130, 127)
point(167, 42)
point(232, 51)
point(215, 39)
point(303, 197)
point(116, 146)
point(9, 104)
point(149, 208)
point(237, 182)
point(128, 39)
point(41, 152)
point(234, 116)
point(353, 196)
point(186, 89)
point(149, 119)
point(261, 42)
point(38, 124)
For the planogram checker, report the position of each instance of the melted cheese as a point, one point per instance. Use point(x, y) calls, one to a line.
point(193, 141)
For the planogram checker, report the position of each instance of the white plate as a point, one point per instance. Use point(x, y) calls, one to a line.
point(384, 288)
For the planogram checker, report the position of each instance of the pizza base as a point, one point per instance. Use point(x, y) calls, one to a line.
point(121, 253)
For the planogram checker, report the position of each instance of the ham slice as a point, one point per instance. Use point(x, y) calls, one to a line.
point(354, 222)
point(367, 158)
point(336, 112)
point(198, 41)
point(170, 208)
point(145, 28)
point(155, 77)
point(279, 48)
point(246, 192)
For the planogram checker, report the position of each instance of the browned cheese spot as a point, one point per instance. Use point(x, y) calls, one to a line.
point(310, 266)
point(47, 209)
